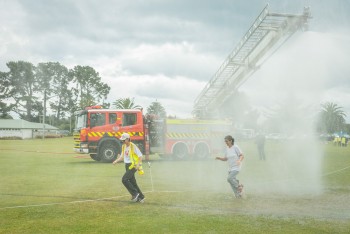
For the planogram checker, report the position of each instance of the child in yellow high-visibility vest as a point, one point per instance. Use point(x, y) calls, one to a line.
point(337, 141)
point(132, 157)
point(343, 141)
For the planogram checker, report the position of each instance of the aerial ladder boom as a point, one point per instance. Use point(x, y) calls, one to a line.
point(269, 30)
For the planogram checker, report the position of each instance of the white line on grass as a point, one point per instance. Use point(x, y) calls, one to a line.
point(80, 201)
point(61, 203)
point(334, 172)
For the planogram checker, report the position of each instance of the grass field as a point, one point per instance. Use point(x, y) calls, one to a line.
point(46, 188)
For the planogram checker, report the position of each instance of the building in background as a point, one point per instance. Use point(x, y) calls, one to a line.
point(18, 128)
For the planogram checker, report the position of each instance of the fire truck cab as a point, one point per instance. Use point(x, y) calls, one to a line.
point(98, 130)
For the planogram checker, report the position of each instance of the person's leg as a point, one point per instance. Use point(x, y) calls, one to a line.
point(134, 183)
point(263, 153)
point(260, 153)
point(127, 178)
point(233, 182)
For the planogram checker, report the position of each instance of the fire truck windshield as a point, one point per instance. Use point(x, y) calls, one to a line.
point(80, 121)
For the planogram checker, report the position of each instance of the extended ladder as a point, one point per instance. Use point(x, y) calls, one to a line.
point(267, 31)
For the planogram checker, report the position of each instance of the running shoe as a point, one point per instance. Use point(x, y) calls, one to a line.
point(134, 198)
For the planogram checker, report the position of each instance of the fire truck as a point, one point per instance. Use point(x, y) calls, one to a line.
point(98, 130)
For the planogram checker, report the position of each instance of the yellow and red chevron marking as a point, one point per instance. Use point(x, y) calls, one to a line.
point(114, 134)
point(96, 134)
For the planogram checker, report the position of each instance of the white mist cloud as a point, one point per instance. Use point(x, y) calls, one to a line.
point(308, 70)
point(313, 67)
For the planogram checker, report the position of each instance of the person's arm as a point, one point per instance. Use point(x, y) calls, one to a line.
point(139, 155)
point(139, 163)
point(241, 157)
point(119, 158)
point(221, 158)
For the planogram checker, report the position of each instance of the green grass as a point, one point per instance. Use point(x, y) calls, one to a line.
point(46, 188)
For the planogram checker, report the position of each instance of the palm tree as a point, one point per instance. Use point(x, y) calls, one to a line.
point(126, 103)
point(332, 117)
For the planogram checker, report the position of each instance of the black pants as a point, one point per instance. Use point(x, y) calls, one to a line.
point(129, 181)
point(261, 152)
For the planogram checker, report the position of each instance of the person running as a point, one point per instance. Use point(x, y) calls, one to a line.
point(234, 157)
point(133, 162)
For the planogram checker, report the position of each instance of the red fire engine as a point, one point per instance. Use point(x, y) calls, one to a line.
point(97, 133)
point(188, 138)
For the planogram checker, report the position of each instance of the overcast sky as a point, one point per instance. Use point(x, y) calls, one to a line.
point(168, 50)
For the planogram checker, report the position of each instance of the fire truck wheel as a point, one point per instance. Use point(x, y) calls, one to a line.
point(108, 152)
point(180, 152)
point(95, 157)
point(201, 151)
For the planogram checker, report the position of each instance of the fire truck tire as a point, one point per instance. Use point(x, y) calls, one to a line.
point(95, 157)
point(180, 152)
point(201, 151)
point(108, 152)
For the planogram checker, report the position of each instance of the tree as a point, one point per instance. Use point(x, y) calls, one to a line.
point(156, 109)
point(24, 86)
point(26, 89)
point(5, 93)
point(251, 119)
point(5, 111)
point(291, 117)
point(239, 109)
point(125, 103)
point(89, 89)
point(56, 81)
point(44, 76)
point(332, 118)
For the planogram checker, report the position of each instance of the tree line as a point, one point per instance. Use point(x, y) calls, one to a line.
point(27, 89)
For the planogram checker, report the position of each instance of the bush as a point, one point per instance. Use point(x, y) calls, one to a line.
point(11, 138)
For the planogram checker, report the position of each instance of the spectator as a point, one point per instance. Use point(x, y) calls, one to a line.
point(260, 143)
